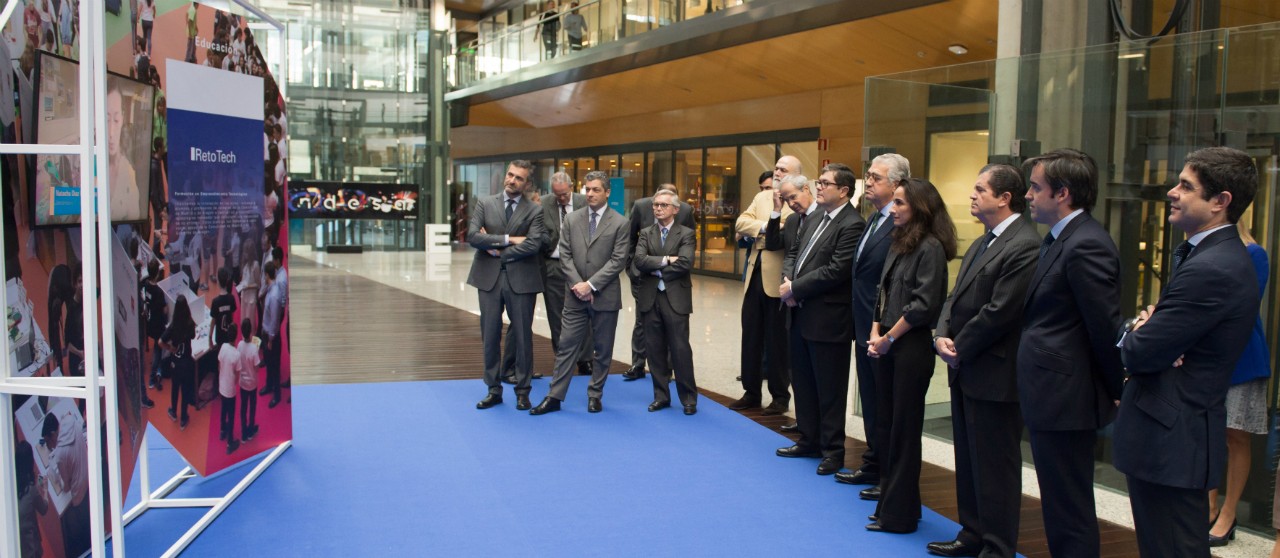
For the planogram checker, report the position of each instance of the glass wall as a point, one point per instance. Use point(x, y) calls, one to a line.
point(707, 175)
point(358, 84)
point(1138, 109)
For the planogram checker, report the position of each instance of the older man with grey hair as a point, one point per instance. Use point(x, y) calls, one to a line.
point(883, 176)
point(764, 340)
point(555, 208)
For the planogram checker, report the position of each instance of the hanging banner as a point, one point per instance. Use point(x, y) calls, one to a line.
point(352, 200)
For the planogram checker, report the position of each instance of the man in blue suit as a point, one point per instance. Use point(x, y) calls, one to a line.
point(885, 174)
point(1170, 433)
point(1069, 371)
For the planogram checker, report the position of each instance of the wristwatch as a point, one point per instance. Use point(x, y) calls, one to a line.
point(891, 338)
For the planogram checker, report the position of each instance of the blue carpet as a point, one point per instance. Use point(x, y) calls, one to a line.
point(413, 469)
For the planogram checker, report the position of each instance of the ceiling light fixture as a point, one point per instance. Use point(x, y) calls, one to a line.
point(958, 49)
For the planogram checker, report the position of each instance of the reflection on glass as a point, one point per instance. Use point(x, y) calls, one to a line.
point(631, 168)
point(721, 204)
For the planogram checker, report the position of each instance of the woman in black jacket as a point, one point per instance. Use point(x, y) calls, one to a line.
point(913, 287)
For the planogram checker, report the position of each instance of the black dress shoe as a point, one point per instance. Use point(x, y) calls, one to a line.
point(881, 528)
point(857, 477)
point(829, 466)
point(953, 548)
point(537, 375)
point(872, 494)
point(693, 410)
point(522, 403)
point(793, 427)
point(509, 379)
point(797, 451)
point(873, 517)
point(593, 405)
point(489, 401)
point(584, 368)
point(774, 408)
point(746, 402)
point(658, 406)
point(632, 374)
point(548, 405)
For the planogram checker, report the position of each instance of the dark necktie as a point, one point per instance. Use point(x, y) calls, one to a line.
point(591, 230)
point(866, 237)
point(812, 240)
point(1180, 254)
point(563, 210)
point(511, 207)
point(982, 249)
point(1044, 246)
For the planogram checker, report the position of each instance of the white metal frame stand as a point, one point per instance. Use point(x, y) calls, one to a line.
point(95, 389)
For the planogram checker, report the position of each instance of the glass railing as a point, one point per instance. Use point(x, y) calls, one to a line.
point(567, 31)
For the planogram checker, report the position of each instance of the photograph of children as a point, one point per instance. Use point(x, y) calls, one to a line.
point(52, 471)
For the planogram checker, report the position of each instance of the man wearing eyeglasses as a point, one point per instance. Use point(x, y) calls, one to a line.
point(642, 218)
point(764, 340)
point(664, 256)
point(507, 232)
point(883, 176)
point(817, 286)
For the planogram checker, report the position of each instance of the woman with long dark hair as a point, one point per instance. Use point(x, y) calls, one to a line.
point(913, 287)
point(182, 366)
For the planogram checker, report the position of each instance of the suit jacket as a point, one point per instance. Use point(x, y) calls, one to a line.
point(489, 213)
point(780, 236)
point(551, 220)
point(1171, 427)
point(983, 315)
point(642, 217)
point(914, 286)
point(823, 282)
point(866, 278)
point(1069, 371)
point(749, 224)
point(675, 275)
point(597, 260)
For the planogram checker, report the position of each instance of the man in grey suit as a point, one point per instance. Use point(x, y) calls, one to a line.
point(883, 176)
point(505, 272)
point(664, 255)
point(555, 209)
point(594, 245)
point(642, 217)
point(977, 336)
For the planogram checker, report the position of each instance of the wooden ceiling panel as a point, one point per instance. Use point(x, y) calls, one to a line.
point(834, 56)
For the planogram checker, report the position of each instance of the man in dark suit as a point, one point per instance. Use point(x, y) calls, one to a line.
point(594, 248)
point(1170, 433)
point(1069, 371)
point(642, 217)
point(555, 208)
point(764, 339)
point(796, 193)
point(977, 336)
point(817, 286)
point(883, 176)
point(664, 255)
point(505, 272)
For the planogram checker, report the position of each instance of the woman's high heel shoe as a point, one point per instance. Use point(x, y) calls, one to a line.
point(1222, 541)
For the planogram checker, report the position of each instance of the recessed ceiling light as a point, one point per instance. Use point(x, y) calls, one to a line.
point(958, 49)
